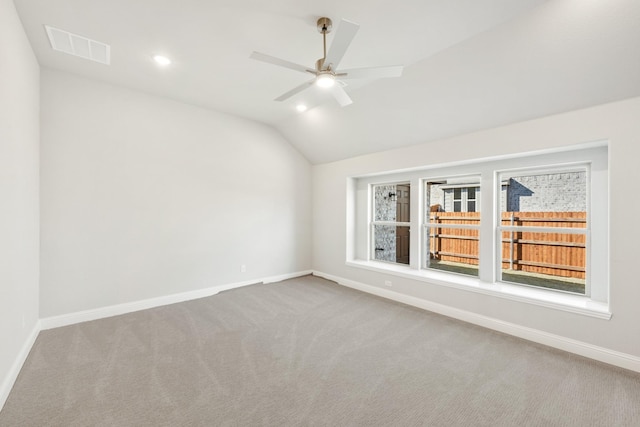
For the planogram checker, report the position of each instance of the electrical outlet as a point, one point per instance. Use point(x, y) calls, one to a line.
point(243, 268)
point(388, 283)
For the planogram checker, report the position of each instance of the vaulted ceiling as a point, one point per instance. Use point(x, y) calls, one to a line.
point(469, 64)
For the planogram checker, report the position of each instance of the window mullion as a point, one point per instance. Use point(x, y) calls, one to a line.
point(416, 214)
point(489, 193)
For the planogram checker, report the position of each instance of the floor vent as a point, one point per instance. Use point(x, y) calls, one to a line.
point(76, 45)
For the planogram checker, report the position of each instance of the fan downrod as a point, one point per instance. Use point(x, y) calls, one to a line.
point(324, 25)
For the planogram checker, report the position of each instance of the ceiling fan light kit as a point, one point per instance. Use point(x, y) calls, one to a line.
point(325, 80)
point(325, 70)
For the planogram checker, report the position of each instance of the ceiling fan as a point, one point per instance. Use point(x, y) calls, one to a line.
point(326, 71)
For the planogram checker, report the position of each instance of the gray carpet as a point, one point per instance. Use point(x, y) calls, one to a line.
point(307, 352)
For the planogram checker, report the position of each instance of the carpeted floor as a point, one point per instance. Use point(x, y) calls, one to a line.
point(307, 352)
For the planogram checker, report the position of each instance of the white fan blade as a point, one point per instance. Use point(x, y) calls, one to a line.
point(341, 41)
point(340, 95)
point(280, 62)
point(295, 90)
point(371, 72)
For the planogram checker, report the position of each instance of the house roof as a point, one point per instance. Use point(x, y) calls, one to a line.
point(469, 64)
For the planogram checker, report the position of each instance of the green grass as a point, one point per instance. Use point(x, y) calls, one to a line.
point(454, 268)
point(531, 279)
point(544, 282)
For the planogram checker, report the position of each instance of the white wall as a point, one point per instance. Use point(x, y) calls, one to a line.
point(145, 197)
point(19, 223)
point(617, 122)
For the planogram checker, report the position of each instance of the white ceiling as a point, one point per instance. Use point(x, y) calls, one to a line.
point(469, 64)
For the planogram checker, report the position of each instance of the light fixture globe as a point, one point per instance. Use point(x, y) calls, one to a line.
point(162, 60)
point(325, 80)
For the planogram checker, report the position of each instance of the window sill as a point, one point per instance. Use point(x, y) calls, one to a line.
point(555, 300)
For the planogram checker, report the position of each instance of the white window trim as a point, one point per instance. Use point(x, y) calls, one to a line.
point(486, 283)
point(578, 167)
point(571, 303)
point(426, 225)
point(373, 222)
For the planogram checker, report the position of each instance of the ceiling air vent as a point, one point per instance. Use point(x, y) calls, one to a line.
point(76, 45)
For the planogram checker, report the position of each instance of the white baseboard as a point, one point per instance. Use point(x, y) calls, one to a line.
point(116, 310)
point(12, 375)
point(601, 354)
point(282, 277)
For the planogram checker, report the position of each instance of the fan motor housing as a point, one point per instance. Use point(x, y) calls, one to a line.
point(324, 25)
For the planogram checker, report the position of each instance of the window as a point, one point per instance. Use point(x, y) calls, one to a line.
point(543, 227)
point(531, 226)
point(451, 238)
point(464, 199)
point(457, 199)
point(390, 225)
point(471, 199)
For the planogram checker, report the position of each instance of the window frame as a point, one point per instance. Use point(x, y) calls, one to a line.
point(595, 304)
point(460, 200)
point(426, 224)
point(373, 222)
point(586, 231)
point(474, 199)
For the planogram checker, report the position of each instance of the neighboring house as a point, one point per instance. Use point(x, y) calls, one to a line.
point(558, 192)
point(455, 197)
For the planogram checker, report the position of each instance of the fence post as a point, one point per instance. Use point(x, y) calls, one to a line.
point(429, 242)
point(434, 248)
point(436, 238)
point(510, 245)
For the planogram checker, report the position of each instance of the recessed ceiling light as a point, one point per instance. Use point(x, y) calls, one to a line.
point(301, 108)
point(162, 60)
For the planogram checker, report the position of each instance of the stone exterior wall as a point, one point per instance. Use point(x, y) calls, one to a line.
point(558, 192)
point(385, 243)
point(385, 206)
point(385, 210)
point(503, 198)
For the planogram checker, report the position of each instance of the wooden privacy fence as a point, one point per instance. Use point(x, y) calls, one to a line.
point(556, 254)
